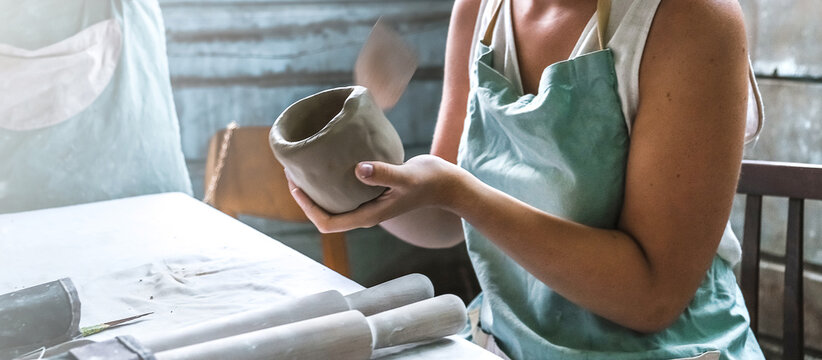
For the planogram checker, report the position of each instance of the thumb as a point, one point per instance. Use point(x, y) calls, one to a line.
point(377, 173)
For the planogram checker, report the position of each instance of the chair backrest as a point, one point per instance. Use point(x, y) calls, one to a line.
point(796, 182)
point(251, 180)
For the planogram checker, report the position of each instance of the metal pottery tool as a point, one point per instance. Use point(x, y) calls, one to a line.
point(91, 330)
point(385, 65)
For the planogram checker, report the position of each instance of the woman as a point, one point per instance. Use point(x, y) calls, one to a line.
point(594, 192)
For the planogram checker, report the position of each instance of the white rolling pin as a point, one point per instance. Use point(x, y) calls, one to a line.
point(429, 319)
point(388, 295)
point(343, 336)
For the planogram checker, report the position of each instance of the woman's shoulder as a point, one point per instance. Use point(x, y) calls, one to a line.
point(467, 8)
point(697, 48)
point(699, 23)
point(690, 38)
point(464, 16)
point(694, 37)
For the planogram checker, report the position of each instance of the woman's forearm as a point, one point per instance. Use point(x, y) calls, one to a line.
point(432, 227)
point(604, 271)
point(428, 227)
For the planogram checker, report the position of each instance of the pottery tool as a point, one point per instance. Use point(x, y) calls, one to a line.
point(91, 330)
point(346, 335)
point(78, 342)
point(385, 65)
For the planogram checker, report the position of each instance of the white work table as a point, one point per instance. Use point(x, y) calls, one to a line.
point(172, 255)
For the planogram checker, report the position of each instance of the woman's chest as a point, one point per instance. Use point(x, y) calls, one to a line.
point(544, 35)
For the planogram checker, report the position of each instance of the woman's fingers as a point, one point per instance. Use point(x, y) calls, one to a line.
point(414, 184)
point(376, 173)
point(397, 178)
point(368, 214)
point(314, 213)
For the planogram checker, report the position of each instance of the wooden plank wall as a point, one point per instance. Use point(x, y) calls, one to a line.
point(248, 60)
point(787, 57)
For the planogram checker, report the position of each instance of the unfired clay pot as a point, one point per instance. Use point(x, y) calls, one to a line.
point(321, 138)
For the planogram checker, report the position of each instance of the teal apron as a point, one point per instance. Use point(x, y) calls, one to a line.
point(564, 151)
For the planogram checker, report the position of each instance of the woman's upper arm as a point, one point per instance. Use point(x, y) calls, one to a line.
point(455, 81)
point(687, 139)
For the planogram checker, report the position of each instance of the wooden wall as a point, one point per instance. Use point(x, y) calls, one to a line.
point(248, 60)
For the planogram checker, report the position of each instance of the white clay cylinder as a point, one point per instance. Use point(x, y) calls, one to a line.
point(288, 311)
point(340, 336)
point(391, 294)
point(425, 320)
point(346, 335)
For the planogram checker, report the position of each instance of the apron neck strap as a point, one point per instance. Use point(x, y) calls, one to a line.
point(489, 31)
point(603, 13)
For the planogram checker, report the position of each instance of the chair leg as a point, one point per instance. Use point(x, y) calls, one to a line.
point(335, 253)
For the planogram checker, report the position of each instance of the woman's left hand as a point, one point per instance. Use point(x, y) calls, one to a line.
point(423, 181)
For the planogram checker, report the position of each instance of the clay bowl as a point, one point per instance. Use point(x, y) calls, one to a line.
point(321, 138)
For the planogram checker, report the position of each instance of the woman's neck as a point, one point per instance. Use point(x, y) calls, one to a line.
point(545, 32)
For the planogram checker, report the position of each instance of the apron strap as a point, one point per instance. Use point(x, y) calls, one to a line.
point(603, 13)
point(489, 31)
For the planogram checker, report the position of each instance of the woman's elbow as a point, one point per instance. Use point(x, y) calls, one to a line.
point(656, 315)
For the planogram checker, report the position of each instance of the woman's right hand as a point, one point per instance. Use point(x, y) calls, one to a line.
point(423, 181)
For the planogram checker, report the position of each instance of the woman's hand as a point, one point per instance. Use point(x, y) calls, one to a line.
point(423, 181)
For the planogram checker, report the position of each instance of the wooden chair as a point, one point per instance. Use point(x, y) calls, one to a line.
point(797, 182)
point(242, 176)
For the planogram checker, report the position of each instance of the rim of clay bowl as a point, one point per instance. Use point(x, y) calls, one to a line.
point(285, 144)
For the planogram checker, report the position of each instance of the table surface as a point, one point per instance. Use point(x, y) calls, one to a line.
point(175, 256)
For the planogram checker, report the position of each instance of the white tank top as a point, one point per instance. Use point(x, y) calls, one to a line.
point(628, 27)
